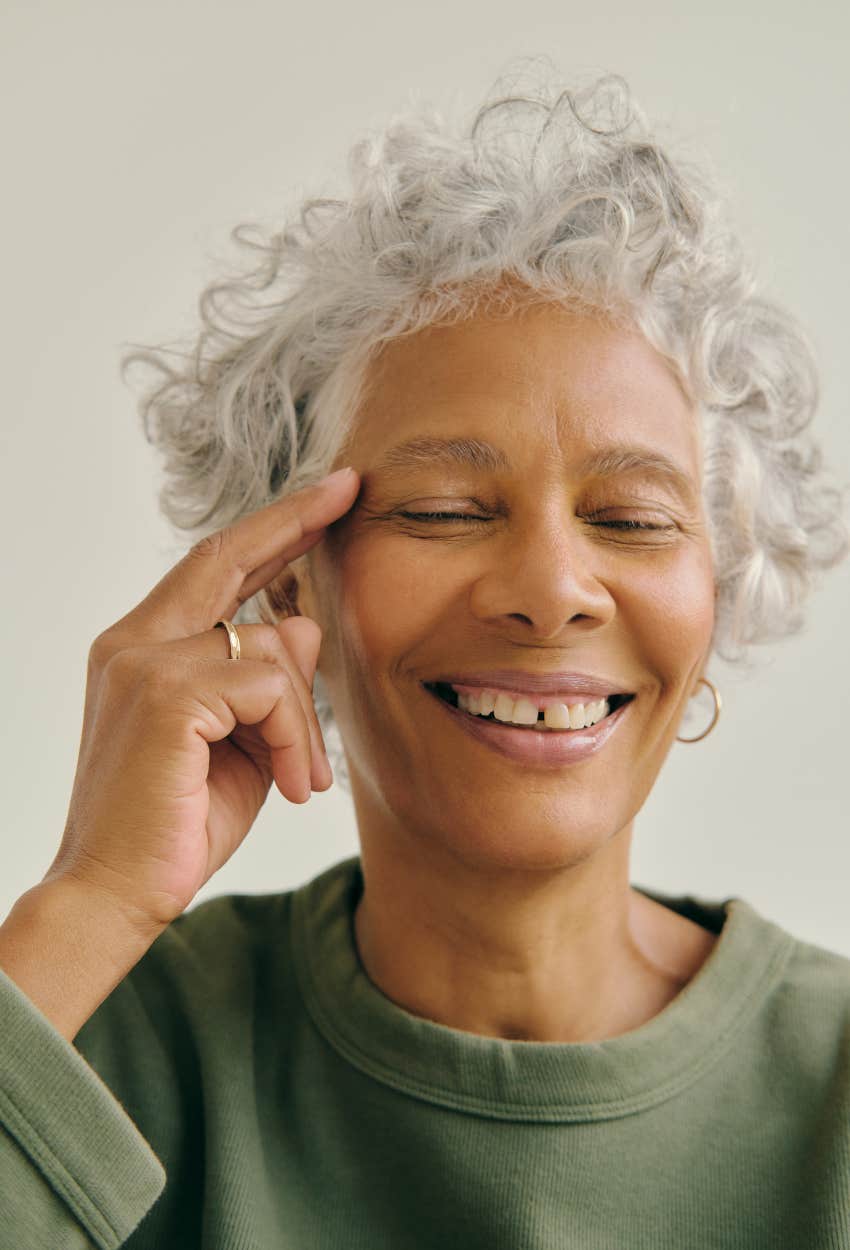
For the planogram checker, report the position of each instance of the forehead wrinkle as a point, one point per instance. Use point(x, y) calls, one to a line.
point(481, 456)
point(471, 453)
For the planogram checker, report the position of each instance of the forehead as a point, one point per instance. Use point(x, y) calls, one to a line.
point(543, 382)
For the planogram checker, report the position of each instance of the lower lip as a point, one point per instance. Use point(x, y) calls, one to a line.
point(530, 746)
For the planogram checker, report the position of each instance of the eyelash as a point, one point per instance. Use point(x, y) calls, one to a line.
point(464, 516)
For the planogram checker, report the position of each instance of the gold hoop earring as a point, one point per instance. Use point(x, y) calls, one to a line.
point(718, 704)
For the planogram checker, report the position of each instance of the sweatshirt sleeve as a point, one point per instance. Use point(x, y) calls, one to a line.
point(75, 1172)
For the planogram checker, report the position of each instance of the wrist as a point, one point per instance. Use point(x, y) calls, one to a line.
point(67, 946)
point(76, 897)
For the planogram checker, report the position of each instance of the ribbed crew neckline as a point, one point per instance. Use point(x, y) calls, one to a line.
point(546, 1082)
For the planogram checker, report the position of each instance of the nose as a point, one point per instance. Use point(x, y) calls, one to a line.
point(542, 573)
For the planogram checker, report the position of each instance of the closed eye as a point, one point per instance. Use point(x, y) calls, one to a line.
point(631, 525)
point(465, 516)
point(442, 516)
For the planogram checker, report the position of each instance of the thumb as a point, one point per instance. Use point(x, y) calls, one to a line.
point(302, 638)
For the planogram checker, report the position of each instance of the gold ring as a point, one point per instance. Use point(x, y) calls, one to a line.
point(232, 637)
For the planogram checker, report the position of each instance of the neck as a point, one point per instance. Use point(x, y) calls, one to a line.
point(566, 955)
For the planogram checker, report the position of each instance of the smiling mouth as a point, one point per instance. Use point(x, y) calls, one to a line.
point(447, 694)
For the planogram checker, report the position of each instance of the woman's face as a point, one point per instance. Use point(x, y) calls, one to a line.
point(534, 570)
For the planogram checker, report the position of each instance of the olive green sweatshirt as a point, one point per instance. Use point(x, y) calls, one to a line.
point(247, 1087)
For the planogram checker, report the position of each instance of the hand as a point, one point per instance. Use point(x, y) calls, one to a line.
point(180, 744)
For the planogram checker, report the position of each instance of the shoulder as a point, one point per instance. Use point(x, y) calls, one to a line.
point(814, 989)
point(809, 984)
point(802, 1030)
point(791, 995)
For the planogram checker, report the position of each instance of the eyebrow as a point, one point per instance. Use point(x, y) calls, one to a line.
point(473, 453)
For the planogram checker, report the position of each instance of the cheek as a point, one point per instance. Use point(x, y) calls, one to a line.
point(389, 599)
point(673, 609)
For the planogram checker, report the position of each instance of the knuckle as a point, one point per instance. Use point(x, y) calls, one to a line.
point(140, 670)
point(222, 546)
point(102, 649)
point(122, 668)
point(210, 546)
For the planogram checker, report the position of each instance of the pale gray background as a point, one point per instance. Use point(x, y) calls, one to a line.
point(137, 135)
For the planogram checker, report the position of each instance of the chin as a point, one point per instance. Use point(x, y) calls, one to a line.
point(528, 835)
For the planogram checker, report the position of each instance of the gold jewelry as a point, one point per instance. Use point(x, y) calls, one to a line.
point(235, 647)
point(718, 703)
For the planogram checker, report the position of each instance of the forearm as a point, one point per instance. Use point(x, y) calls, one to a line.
point(67, 948)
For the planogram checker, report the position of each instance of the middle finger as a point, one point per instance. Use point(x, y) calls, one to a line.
point(263, 642)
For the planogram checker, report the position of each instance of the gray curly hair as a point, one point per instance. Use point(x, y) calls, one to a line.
point(567, 192)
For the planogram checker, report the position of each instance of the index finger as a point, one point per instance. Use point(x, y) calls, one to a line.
point(226, 567)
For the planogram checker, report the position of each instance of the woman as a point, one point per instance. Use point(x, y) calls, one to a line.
point(569, 465)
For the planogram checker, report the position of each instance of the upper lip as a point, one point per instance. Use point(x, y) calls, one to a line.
point(535, 683)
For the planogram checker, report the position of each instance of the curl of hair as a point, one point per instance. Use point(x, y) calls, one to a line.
point(566, 192)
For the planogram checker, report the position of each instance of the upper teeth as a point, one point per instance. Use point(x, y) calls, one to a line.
point(522, 711)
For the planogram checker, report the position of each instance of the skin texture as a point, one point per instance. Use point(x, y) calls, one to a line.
point(497, 896)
